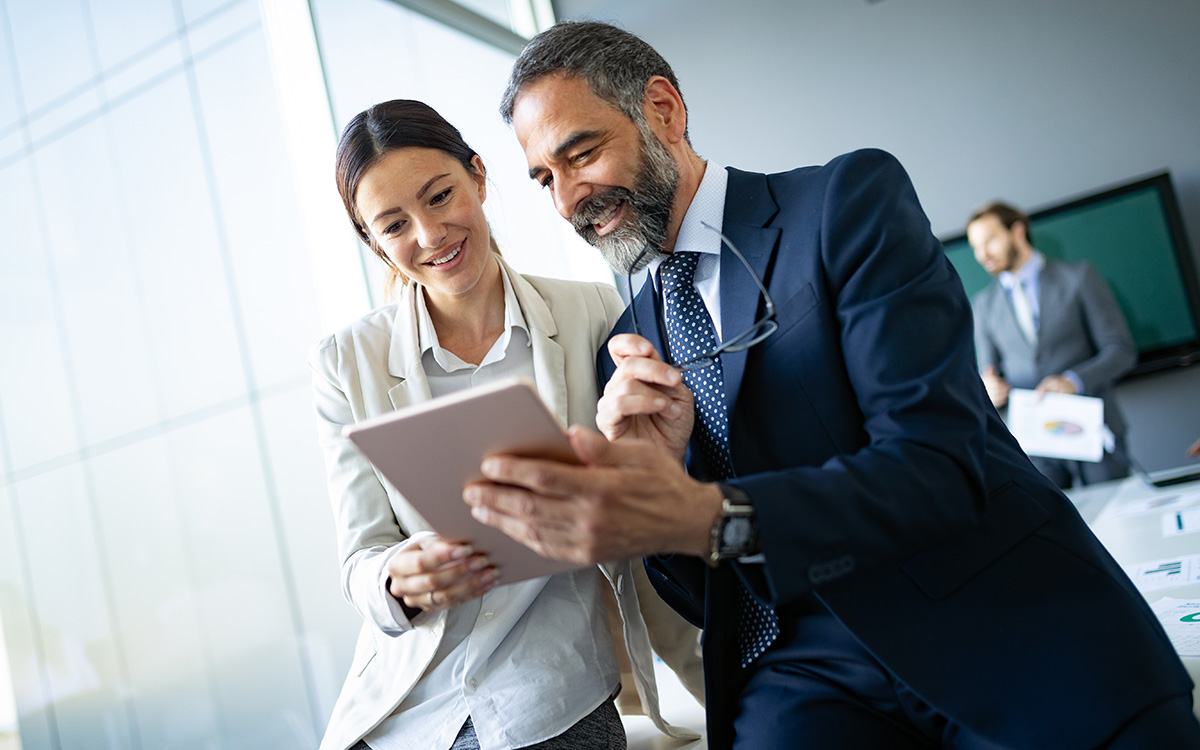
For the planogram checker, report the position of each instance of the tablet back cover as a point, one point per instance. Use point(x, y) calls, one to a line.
point(429, 452)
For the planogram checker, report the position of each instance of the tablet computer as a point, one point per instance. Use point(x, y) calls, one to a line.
point(430, 451)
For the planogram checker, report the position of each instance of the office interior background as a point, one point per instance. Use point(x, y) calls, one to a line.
point(172, 244)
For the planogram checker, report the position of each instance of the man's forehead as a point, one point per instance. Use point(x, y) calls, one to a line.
point(986, 224)
point(560, 102)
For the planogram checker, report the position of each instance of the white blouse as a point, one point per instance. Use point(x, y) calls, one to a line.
point(525, 661)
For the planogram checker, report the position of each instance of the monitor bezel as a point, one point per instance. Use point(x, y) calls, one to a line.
point(1159, 358)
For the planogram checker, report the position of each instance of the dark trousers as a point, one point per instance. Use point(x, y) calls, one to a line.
point(818, 687)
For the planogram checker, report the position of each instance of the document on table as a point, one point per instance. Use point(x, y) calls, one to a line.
point(1056, 425)
point(1167, 501)
point(1181, 619)
point(1165, 573)
point(1181, 522)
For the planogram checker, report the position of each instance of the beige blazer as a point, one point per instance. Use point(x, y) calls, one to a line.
point(373, 367)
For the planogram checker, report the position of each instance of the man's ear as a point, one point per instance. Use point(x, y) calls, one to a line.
point(1020, 232)
point(664, 110)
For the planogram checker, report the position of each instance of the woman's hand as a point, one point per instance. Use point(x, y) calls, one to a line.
point(432, 574)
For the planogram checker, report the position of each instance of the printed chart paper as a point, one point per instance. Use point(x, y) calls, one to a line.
point(1056, 425)
point(1165, 501)
point(1181, 619)
point(1161, 574)
point(1181, 522)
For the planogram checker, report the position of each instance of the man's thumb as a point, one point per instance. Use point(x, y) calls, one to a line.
point(591, 447)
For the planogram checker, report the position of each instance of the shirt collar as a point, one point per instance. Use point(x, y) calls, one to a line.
point(427, 338)
point(1027, 273)
point(708, 206)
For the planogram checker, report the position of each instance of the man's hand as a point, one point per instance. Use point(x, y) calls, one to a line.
point(997, 387)
point(1055, 384)
point(630, 499)
point(646, 398)
point(1194, 451)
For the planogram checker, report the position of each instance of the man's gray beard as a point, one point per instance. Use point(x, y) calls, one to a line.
point(647, 213)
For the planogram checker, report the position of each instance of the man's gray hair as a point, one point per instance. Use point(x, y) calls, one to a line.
point(615, 64)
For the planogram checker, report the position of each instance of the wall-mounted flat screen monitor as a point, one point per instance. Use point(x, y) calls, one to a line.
point(1134, 236)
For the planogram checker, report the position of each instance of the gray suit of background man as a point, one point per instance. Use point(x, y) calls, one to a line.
point(1080, 341)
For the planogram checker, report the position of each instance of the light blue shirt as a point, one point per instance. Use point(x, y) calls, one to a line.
point(707, 206)
point(1030, 276)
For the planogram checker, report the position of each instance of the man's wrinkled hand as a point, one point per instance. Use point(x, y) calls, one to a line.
point(629, 499)
point(646, 399)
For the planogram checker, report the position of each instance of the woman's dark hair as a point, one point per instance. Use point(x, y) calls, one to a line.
point(385, 127)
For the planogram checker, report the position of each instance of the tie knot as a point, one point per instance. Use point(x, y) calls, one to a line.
point(678, 270)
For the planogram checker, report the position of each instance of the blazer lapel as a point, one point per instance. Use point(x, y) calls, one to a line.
point(404, 354)
point(646, 306)
point(1051, 304)
point(748, 208)
point(549, 359)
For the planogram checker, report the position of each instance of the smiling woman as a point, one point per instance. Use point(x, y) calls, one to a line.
point(447, 656)
point(377, 175)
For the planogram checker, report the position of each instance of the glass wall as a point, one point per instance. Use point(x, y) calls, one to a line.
point(167, 574)
point(168, 577)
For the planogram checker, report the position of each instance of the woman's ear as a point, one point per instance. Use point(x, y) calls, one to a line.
point(479, 174)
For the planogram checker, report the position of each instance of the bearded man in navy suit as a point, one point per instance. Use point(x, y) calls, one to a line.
point(927, 586)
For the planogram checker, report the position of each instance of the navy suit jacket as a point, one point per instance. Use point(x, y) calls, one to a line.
point(886, 485)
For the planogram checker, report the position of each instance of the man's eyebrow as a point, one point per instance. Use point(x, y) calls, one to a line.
point(569, 143)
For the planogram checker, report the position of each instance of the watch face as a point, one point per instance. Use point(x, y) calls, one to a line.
point(736, 534)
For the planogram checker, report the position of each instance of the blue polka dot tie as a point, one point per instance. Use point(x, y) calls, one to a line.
point(689, 334)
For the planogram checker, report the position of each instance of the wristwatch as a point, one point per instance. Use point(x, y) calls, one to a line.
point(735, 534)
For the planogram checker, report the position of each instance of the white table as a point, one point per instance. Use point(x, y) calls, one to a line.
point(1138, 538)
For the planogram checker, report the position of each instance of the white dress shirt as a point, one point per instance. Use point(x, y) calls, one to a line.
point(525, 661)
point(707, 206)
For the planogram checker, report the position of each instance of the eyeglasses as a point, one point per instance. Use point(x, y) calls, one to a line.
point(756, 333)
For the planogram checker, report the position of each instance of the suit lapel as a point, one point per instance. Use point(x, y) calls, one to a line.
point(648, 308)
point(748, 208)
point(404, 354)
point(1050, 298)
point(549, 359)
